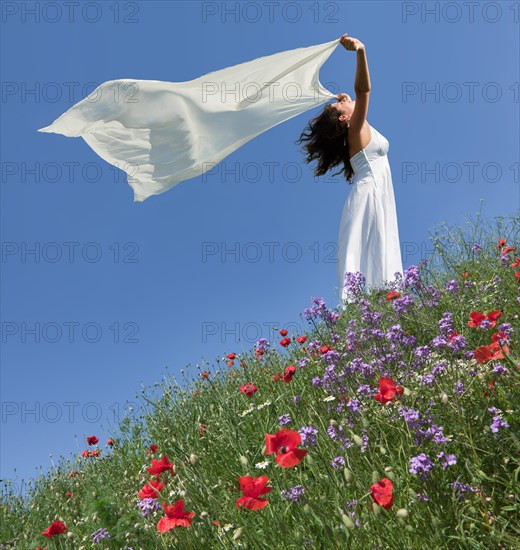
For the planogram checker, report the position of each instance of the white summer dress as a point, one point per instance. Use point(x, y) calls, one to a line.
point(368, 235)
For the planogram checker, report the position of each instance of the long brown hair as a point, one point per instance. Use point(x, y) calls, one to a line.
point(327, 142)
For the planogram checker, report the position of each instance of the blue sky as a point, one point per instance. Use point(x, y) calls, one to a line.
point(116, 294)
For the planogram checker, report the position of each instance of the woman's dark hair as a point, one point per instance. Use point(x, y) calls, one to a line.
point(326, 137)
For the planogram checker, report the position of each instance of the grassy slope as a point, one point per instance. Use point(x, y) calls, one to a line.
point(446, 387)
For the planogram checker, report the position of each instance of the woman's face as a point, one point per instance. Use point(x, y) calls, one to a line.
point(345, 106)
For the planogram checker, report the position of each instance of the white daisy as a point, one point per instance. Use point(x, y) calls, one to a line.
point(264, 405)
point(262, 465)
point(329, 398)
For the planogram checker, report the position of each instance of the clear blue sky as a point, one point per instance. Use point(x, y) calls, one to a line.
point(132, 292)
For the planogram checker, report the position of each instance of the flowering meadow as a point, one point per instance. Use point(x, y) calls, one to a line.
point(390, 424)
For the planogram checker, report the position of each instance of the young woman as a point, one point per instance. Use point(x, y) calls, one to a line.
point(368, 239)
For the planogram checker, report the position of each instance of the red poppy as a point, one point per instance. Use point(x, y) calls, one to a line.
point(277, 376)
point(483, 354)
point(285, 342)
point(289, 372)
point(110, 442)
point(283, 332)
point(205, 374)
point(152, 448)
point(392, 295)
point(55, 528)
point(501, 244)
point(388, 390)
point(68, 494)
point(517, 275)
point(324, 349)
point(301, 339)
point(516, 263)
point(465, 275)
point(92, 440)
point(285, 442)
point(95, 452)
point(85, 453)
point(202, 429)
point(382, 493)
point(476, 318)
point(160, 466)
point(151, 489)
point(176, 517)
point(74, 473)
point(507, 250)
point(231, 355)
point(252, 489)
point(343, 398)
point(248, 389)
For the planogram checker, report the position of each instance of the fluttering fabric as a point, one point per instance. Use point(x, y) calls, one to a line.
point(162, 133)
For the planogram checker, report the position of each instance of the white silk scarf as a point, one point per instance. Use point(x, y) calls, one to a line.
point(162, 133)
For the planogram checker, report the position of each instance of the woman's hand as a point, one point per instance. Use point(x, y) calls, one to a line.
point(351, 43)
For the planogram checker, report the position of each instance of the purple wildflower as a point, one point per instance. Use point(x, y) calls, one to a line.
point(101, 533)
point(293, 494)
point(447, 460)
point(498, 422)
point(452, 286)
point(338, 462)
point(459, 387)
point(461, 488)
point(148, 505)
point(308, 435)
point(420, 464)
point(284, 420)
point(401, 305)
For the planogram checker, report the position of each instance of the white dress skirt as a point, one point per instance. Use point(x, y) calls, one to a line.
point(368, 239)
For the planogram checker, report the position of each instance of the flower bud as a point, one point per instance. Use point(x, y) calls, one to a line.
point(375, 476)
point(348, 475)
point(333, 423)
point(382, 450)
point(402, 513)
point(388, 468)
point(194, 459)
point(444, 397)
point(307, 509)
point(349, 524)
point(204, 515)
point(244, 461)
point(237, 533)
point(357, 440)
point(406, 391)
point(182, 493)
point(376, 508)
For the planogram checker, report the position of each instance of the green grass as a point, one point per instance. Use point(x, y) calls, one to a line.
point(448, 392)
